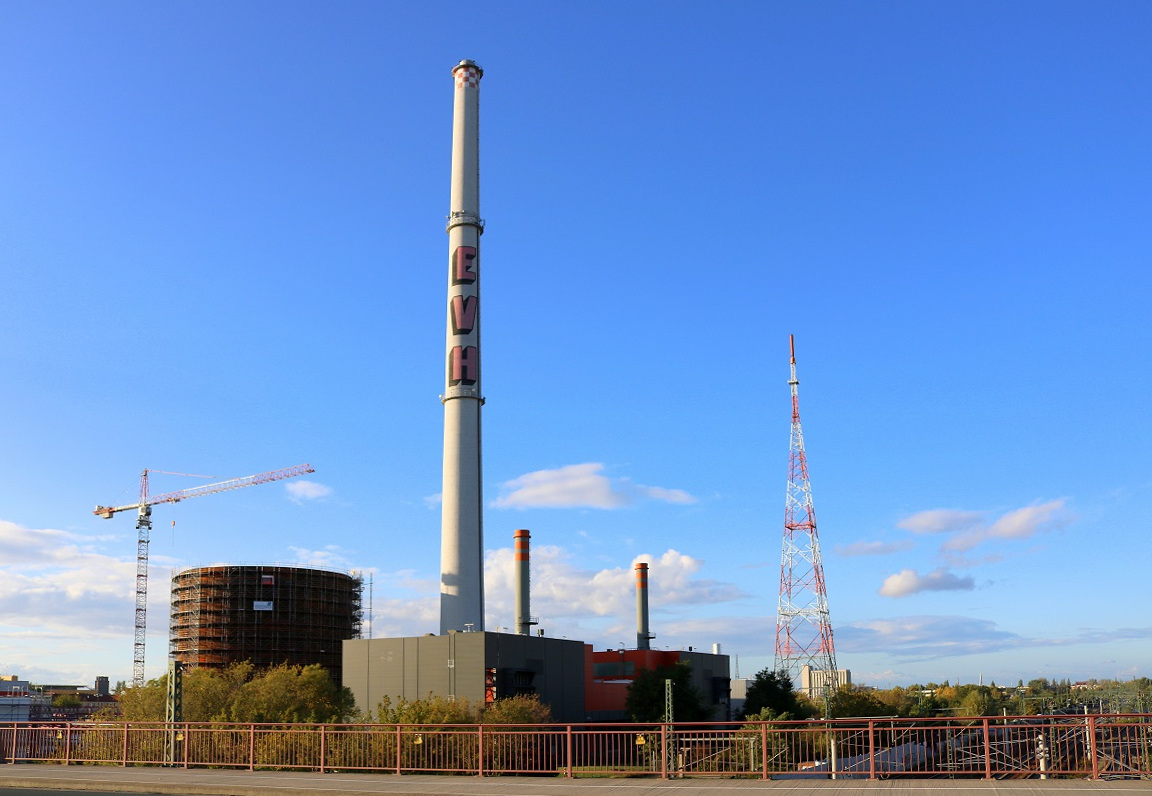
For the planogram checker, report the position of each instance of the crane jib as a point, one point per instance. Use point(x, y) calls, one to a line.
point(143, 524)
point(209, 489)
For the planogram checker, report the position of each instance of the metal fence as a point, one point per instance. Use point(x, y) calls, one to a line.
point(1093, 746)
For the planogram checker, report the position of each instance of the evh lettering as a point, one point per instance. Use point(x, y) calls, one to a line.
point(463, 313)
point(463, 365)
point(463, 265)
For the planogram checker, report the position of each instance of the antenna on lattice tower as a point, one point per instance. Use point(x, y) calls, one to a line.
point(803, 628)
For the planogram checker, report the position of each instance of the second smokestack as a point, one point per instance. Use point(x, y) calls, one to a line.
point(642, 634)
point(520, 557)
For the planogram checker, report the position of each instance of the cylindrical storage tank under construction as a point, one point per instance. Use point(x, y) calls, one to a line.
point(269, 615)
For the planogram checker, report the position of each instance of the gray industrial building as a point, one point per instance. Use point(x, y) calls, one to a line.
point(480, 666)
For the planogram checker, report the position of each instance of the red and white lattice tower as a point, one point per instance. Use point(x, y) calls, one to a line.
point(803, 629)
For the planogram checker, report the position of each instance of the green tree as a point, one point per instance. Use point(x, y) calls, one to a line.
point(292, 694)
point(850, 701)
point(209, 693)
point(645, 701)
point(926, 706)
point(981, 700)
point(240, 693)
point(772, 691)
point(65, 701)
point(143, 703)
point(948, 695)
point(520, 709)
point(897, 701)
point(433, 710)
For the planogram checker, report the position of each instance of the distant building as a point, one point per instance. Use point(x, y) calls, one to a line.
point(738, 695)
point(21, 700)
point(16, 699)
point(614, 670)
point(815, 683)
point(11, 685)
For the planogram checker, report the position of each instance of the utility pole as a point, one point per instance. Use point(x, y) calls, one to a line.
point(803, 627)
point(174, 712)
point(670, 756)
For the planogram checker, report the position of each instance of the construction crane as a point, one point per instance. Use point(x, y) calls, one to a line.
point(144, 526)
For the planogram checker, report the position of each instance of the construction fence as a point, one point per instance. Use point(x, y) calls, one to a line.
point(1091, 746)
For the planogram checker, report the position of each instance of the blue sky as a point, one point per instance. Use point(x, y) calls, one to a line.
point(222, 250)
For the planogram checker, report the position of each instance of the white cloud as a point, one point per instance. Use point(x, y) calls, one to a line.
point(300, 491)
point(403, 617)
point(908, 581)
point(968, 529)
point(1095, 636)
point(562, 593)
point(330, 556)
point(1017, 524)
point(940, 521)
point(965, 541)
point(872, 548)
point(929, 637)
point(67, 608)
point(581, 486)
point(408, 580)
point(667, 495)
point(1023, 523)
point(926, 636)
point(576, 485)
point(399, 603)
point(56, 583)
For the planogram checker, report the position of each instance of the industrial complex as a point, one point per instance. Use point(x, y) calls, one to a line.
point(273, 614)
point(464, 660)
point(576, 681)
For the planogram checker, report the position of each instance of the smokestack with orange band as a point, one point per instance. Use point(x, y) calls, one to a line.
point(642, 634)
point(520, 555)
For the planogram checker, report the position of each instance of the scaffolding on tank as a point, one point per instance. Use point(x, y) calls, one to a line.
point(268, 615)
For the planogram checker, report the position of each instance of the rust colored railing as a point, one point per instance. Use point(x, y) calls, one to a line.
point(1093, 746)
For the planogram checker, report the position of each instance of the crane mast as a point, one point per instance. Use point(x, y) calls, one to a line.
point(144, 528)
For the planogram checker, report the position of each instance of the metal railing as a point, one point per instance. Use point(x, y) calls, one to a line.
point(1093, 746)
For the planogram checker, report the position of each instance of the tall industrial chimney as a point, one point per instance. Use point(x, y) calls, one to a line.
point(523, 615)
point(461, 528)
point(642, 634)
